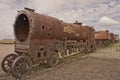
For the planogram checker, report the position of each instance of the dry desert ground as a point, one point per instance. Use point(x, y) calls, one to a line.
point(103, 64)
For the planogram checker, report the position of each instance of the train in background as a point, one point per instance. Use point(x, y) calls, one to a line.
point(105, 38)
point(44, 39)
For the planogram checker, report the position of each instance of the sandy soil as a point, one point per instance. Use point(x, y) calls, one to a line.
point(5, 49)
point(103, 64)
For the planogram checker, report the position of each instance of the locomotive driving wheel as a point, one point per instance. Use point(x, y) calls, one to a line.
point(7, 62)
point(53, 60)
point(21, 66)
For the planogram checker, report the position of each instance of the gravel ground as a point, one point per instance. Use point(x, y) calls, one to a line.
point(102, 64)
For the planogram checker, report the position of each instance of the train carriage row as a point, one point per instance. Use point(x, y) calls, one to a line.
point(43, 39)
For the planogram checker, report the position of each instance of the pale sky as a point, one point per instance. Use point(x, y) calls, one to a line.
point(102, 14)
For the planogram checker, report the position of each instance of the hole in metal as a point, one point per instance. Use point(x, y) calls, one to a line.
point(43, 27)
point(22, 27)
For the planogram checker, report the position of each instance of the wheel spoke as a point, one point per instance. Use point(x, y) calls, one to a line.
point(20, 66)
point(53, 60)
point(7, 61)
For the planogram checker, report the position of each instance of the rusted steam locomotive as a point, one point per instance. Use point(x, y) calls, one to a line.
point(44, 39)
point(104, 38)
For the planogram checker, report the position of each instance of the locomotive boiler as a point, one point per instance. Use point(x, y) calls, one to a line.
point(44, 39)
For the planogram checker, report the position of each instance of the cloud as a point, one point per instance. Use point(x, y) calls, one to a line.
point(46, 6)
point(106, 21)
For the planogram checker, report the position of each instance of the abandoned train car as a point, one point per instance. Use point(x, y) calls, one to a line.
point(105, 38)
point(43, 39)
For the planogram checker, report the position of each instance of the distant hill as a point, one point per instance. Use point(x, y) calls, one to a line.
point(7, 41)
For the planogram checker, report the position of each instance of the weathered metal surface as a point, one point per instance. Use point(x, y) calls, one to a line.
point(31, 26)
point(106, 35)
point(102, 35)
point(105, 38)
point(37, 26)
point(77, 32)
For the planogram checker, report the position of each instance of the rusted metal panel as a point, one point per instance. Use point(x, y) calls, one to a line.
point(32, 27)
point(77, 32)
point(102, 35)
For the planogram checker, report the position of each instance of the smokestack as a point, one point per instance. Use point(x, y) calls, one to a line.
point(78, 23)
point(107, 30)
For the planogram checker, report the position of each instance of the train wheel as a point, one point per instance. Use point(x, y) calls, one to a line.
point(53, 60)
point(21, 66)
point(7, 62)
